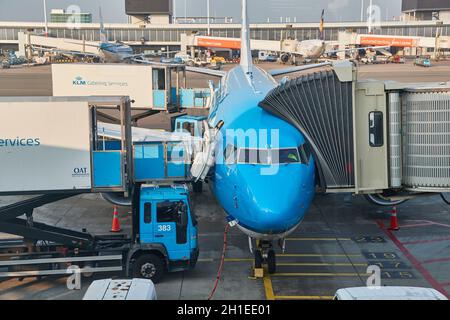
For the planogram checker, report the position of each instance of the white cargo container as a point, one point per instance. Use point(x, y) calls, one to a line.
point(109, 289)
point(133, 80)
point(50, 144)
point(45, 146)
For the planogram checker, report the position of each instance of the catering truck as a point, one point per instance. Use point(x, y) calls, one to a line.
point(51, 147)
point(157, 87)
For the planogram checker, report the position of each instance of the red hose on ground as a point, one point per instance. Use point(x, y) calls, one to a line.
point(222, 259)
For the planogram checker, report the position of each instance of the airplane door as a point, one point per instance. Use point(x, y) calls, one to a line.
point(171, 228)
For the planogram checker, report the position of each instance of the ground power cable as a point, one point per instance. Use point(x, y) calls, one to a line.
point(222, 260)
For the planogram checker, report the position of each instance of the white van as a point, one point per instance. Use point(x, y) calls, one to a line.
point(388, 293)
point(109, 289)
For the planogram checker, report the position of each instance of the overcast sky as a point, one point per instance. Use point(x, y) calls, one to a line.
point(260, 10)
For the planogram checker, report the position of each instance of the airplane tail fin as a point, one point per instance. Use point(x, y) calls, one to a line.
point(103, 36)
point(246, 52)
point(321, 28)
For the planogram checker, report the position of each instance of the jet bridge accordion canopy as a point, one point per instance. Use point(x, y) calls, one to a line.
point(320, 106)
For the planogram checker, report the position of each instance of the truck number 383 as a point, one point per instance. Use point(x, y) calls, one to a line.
point(164, 227)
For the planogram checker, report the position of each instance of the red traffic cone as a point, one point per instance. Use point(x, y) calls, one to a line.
point(115, 227)
point(394, 220)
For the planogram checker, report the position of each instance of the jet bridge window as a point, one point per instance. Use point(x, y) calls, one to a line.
point(376, 135)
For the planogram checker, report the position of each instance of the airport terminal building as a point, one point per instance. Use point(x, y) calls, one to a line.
point(150, 27)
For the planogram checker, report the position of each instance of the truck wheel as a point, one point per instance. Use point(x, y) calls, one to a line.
point(197, 186)
point(149, 266)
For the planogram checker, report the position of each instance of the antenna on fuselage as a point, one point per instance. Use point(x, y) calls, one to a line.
point(246, 52)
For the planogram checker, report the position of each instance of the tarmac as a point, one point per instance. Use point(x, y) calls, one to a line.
point(340, 237)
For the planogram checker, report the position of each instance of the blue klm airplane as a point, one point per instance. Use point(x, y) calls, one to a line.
point(265, 185)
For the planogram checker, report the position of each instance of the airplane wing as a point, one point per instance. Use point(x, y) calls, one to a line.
point(210, 72)
point(155, 63)
point(65, 52)
point(143, 55)
point(278, 72)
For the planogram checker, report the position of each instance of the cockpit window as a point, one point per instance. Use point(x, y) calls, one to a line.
point(254, 156)
point(285, 156)
point(271, 156)
point(305, 153)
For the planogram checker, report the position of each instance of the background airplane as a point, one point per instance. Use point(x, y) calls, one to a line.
point(311, 50)
point(109, 52)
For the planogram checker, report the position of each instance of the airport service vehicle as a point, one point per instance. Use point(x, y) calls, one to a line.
point(151, 87)
point(423, 62)
point(5, 64)
point(266, 56)
point(69, 158)
point(128, 289)
point(171, 60)
point(185, 58)
point(148, 86)
point(397, 59)
point(388, 293)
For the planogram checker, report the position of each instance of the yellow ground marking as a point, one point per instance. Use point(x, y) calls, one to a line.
point(304, 297)
point(322, 264)
point(268, 286)
point(318, 274)
point(318, 239)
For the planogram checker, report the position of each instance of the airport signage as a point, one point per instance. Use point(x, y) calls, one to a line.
point(79, 81)
point(218, 43)
point(20, 142)
point(387, 41)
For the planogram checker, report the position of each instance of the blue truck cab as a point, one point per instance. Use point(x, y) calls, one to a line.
point(166, 238)
point(190, 124)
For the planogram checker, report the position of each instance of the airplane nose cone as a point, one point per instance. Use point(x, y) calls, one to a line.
point(278, 203)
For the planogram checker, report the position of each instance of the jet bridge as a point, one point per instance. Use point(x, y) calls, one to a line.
point(370, 137)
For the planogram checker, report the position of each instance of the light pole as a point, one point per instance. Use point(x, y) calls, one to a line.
point(370, 16)
point(362, 10)
point(208, 16)
point(45, 18)
point(185, 11)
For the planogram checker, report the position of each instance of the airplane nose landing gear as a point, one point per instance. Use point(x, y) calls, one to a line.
point(264, 254)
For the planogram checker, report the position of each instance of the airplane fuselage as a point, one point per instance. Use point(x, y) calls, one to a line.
point(311, 49)
point(264, 176)
point(114, 53)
